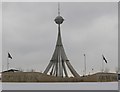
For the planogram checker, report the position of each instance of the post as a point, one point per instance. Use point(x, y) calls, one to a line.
point(102, 65)
point(85, 64)
point(92, 71)
point(7, 63)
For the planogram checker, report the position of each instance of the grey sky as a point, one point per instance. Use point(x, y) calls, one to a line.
point(30, 34)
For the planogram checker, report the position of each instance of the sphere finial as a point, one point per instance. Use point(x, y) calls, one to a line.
point(59, 20)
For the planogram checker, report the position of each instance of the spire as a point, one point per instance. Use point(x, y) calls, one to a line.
point(58, 8)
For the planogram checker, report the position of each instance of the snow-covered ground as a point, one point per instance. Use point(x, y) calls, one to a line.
point(61, 86)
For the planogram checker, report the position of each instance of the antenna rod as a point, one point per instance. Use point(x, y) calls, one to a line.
point(58, 8)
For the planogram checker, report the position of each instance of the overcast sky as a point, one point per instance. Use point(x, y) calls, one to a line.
point(30, 34)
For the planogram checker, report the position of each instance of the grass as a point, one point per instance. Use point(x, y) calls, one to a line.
point(40, 77)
